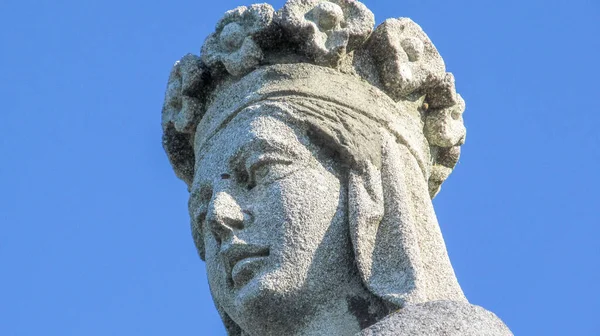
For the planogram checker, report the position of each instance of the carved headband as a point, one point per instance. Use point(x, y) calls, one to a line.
point(337, 36)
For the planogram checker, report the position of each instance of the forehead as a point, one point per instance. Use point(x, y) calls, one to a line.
point(255, 128)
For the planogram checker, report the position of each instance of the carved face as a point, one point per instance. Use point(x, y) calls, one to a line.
point(272, 212)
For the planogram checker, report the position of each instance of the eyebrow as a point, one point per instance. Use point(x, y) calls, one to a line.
point(265, 146)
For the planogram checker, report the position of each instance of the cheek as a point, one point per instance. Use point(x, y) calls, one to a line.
point(310, 202)
point(214, 269)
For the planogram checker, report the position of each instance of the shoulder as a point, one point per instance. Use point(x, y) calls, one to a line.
point(448, 318)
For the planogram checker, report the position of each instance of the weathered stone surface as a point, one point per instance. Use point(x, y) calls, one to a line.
point(445, 127)
point(236, 43)
point(406, 58)
point(440, 318)
point(312, 147)
point(183, 105)
point(327, 30)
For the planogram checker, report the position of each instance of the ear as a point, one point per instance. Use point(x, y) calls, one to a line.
point(382, 227)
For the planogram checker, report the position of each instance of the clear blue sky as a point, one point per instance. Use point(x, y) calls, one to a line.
point(94, 236)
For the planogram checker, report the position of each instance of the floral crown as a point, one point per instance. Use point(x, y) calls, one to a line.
point(397, 57)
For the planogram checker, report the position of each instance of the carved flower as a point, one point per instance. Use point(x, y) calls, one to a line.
point(235, 43)
point(327, 30)
point(441, 91)
point(406, 58)
point(445, 127)
point(182, 106)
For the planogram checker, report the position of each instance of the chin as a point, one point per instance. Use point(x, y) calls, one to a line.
point(251, 293)
point(268, 293)
point(261, 290)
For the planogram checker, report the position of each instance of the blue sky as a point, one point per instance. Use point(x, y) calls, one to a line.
point(94, 235)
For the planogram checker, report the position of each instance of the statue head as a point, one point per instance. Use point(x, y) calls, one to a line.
point(312, 147)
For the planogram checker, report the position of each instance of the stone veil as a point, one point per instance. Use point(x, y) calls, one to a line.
point(313, 92)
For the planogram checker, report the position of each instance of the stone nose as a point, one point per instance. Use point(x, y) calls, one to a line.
point(224, 216)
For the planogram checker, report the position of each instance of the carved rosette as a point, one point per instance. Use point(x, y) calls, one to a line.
point(182, 109)
point(327, 30)
point(410, 67)
point(236, 43)
point(445, 131)
point(445, 127)
point(183, 104)
point(396, 57)
point(405, 57)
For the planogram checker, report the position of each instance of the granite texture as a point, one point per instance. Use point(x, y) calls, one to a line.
point(326, 30)
point(312, 144)
point(440, 318)
point(237, 44)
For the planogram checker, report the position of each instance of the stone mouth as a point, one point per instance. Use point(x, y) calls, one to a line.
point(244, 270)
point(241, 260)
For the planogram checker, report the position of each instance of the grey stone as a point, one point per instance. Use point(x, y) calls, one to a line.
point(407, 60)
point(183, 106)
point(327, 30)
point(445, 127)
point(236, 42)
point(312, 147)
point(442, 318)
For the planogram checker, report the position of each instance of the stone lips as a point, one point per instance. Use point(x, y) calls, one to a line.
point(397, 57)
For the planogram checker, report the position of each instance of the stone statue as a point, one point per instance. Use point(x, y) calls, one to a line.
point(312, 145)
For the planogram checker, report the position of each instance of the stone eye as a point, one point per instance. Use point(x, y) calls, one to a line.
point(244, 179)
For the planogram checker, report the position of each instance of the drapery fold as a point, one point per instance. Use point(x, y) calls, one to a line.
point(397, 243)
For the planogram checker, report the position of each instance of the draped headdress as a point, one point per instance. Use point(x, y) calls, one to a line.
point(397, 58)
point(382, 95)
